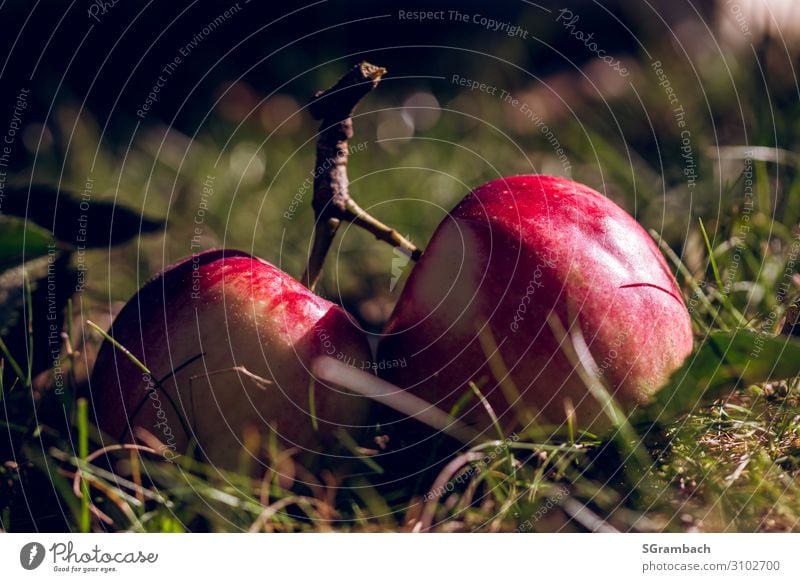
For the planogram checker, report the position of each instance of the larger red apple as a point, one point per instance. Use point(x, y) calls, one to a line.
point(228, 339)
point(513, 252)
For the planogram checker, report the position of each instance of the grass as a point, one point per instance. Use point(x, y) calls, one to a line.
point(720, 450)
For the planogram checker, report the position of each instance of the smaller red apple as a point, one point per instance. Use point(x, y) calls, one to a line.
point(228, 340)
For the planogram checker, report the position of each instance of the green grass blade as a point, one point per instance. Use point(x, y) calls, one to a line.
point(83, 452)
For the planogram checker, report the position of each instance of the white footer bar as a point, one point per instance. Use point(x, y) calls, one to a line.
point(400, 557)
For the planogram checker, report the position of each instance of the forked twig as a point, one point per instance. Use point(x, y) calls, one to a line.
point(332, 202)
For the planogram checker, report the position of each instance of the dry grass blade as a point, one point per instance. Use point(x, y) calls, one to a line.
point(360, 382)
point(440, 484)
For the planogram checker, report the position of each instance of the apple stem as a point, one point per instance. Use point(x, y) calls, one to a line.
point(387, 234)
point(332, 202)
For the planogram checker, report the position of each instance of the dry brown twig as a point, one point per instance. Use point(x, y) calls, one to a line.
point(332, 202)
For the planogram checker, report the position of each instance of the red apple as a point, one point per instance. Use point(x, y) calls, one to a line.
point(228, 339)
point(513, 252)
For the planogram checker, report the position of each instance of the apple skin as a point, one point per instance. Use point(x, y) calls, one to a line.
point(511, 253)
point(235, 310)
